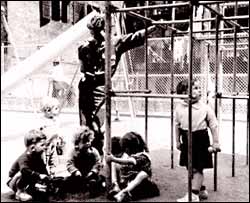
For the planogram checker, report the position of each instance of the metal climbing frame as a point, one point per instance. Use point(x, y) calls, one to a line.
point(219, 17)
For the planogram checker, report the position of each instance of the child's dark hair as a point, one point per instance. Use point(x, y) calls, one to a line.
point(34, 136)
point(97, 23)
point(182, 86)
point(132, 143)
point(82, 135)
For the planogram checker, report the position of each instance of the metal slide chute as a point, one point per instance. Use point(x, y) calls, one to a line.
point(39, 59)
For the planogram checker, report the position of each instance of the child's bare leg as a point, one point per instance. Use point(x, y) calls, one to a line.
point(197, 181)
point(115, 173)
point(137, 181)
point(115, 170)
point(131, 185)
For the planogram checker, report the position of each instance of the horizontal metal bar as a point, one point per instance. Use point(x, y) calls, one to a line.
point(204, 20)
point(181, 21)
point(236, 17)
point(201, 20)
point(170, 22)
point(237, 48)
point(212, 30)
point(151, 7)
point(211, 2)
point(131, 91)
point(212, 37)
point(232, 45)
point(180, 96)
point(26, 45)
point(240, 3)
point(238, 44)
point(232, 97)
point(222, 38)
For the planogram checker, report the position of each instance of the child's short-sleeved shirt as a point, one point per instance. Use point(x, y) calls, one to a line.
point(143, 163)
point(203, 116)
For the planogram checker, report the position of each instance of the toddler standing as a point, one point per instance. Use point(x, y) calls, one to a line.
point(50, 126)
point(203, 117)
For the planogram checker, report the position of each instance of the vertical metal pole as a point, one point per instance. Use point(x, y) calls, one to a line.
point(173, 13)
point(108, 88)
point(234, 89)
point(205, 65)
point(172, 89)
point(190, 70)
point(2, 57)
point(217, 65)
point(172, 100)
point(146, 81)
point(248, 104)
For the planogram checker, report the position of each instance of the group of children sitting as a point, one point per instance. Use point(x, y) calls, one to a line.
point(33, 176)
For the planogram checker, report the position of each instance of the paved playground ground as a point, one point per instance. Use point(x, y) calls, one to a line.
point(172, 182)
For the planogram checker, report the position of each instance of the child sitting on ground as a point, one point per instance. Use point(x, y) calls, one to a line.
point(50, 126)
point(131, 173)
point(29, 168)
point(203, 117)
point(84, 165)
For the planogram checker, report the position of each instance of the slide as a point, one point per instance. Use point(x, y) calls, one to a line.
point(39, 59)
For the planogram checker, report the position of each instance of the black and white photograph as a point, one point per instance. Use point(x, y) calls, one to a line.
point(125, 101)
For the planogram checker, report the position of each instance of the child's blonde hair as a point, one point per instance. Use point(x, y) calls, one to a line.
point(82, 135)
point(48, 103)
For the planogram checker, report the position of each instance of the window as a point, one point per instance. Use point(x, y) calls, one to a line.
point(44, 7)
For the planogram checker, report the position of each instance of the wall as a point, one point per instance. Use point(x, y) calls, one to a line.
point(24, 23)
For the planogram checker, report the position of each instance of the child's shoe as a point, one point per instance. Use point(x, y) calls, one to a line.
point(23, 196)
point(122, 197)
point(203, 194)
point(195, 198)
point(93, 190)
point(40, 187)
point(114, 190)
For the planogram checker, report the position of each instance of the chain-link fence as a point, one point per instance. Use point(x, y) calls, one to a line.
point(132, 75)
point(159, 71)
point(229, 83)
